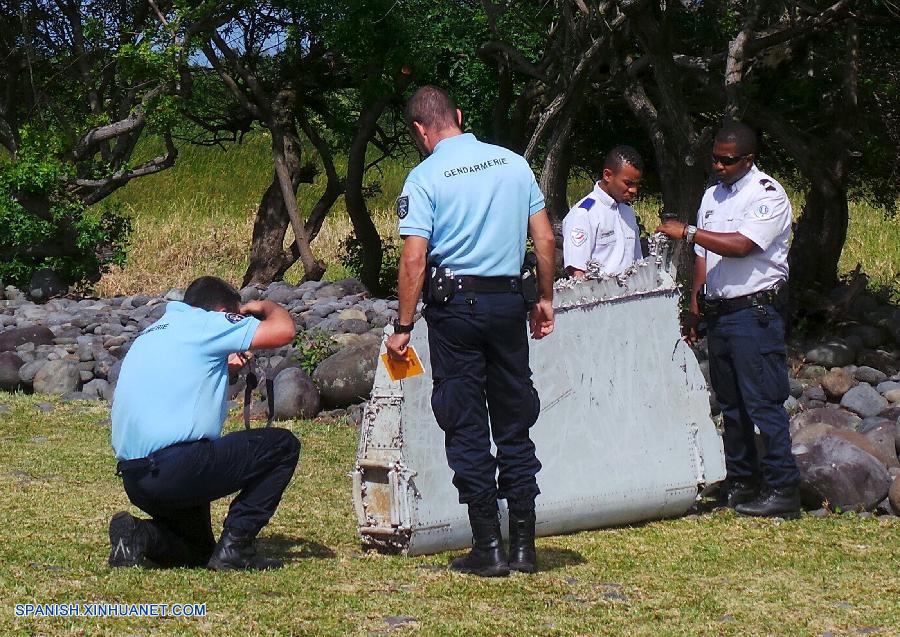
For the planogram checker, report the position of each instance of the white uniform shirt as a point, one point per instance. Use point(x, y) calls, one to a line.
point(757, 207)
point(599, 229)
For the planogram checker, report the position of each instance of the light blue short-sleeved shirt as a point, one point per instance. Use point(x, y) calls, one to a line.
point(173, 382)
point(472, 202)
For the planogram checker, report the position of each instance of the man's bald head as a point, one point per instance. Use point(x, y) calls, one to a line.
point(432, 108)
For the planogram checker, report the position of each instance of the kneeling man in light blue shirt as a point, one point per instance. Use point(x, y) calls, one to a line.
point(167, 416)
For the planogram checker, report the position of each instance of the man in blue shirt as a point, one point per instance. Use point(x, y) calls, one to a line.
point(465, 212)
point(167, 417)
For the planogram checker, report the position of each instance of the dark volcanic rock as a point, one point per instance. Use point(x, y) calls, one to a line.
point(837, 471)
point(882, 438)
point(10, 362)
point(37, 334)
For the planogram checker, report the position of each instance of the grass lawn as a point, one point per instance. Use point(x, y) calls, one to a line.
point(712, 574)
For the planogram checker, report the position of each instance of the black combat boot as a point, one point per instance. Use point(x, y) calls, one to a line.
point(522, 554)
point(487, 557)
point(773, 503)
point(236, 552)
point(128, 539)
point(734, 492)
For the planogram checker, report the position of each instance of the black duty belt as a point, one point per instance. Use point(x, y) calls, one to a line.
point(487, 284)
point(149, 463)
point(717, 307)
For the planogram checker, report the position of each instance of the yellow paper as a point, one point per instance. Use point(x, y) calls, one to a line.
point(398, 370)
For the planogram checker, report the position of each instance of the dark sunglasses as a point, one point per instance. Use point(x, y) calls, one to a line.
point(725, 160)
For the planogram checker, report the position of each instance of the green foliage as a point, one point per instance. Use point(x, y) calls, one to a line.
point(352, 258)
point(312, 347)
point(79, 243)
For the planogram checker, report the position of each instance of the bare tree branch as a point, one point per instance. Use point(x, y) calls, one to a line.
point(251, 107)
point(87, 145)
point(734, 66)
point(93, 190)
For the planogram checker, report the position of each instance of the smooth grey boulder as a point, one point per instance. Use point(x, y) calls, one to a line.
point(882, 437)
point(815, 393)
point(56, 377)
point(887, 386)
point(28, 371)
point(10, 363)
point(796, 386)
point(295, 395)
point(249, 293)
point(837, 418)
point(831, 354)
point(346, 377)
point(98, 387)
point(869, 375)
point(37, 334)
point(864, 400)
point(836, 471)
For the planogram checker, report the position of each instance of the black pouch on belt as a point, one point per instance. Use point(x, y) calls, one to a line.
point(440, 286)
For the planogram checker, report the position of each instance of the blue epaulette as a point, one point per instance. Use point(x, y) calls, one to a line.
point(587, 204)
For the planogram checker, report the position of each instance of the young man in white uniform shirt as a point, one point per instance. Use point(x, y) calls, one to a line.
point(602, 226)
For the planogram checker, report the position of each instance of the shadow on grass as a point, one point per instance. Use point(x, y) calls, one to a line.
point(550, 559)
point(293, 548)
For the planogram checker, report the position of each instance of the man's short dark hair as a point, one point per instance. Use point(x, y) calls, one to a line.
point(742, 136)
point(213, 294)
point(432, 108)
point(621, 155)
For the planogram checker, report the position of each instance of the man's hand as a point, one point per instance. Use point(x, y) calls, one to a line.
point(541, 320)
point(398, 346)
point(237, 361)
point(689, 328)
point(253, 308)
point(672, 228)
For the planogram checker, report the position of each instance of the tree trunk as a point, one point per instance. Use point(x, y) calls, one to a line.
point(555, 174)
point(268, 259)
point(819, 236)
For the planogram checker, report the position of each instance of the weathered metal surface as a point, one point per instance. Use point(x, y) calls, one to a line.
point(624, 432)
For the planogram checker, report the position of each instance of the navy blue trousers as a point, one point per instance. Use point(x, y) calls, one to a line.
point(748, 370)
point(479, 363)
point(177, 488)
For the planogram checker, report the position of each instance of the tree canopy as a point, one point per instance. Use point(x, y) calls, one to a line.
point(560, 82)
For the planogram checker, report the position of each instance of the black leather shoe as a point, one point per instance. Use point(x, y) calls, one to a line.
point(735, 492)
point(522, 554)
point(487, 557)
point(236, 551)
point(127, 540)
point(773, 503)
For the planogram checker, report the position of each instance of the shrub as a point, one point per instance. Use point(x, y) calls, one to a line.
point(352, 258)
point(59, 231)
point(312, 347)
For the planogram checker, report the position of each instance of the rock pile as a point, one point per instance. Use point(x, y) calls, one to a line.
point(74, 348)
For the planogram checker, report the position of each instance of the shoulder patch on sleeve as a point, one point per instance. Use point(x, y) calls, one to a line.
point(587, 204)
point(402, 206)
point(578, 236)
point(768, 184)
point(234, 318)
point(763, 212)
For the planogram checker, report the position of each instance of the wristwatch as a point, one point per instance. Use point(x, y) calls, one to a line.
point(690, 231)
point(400, 328)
